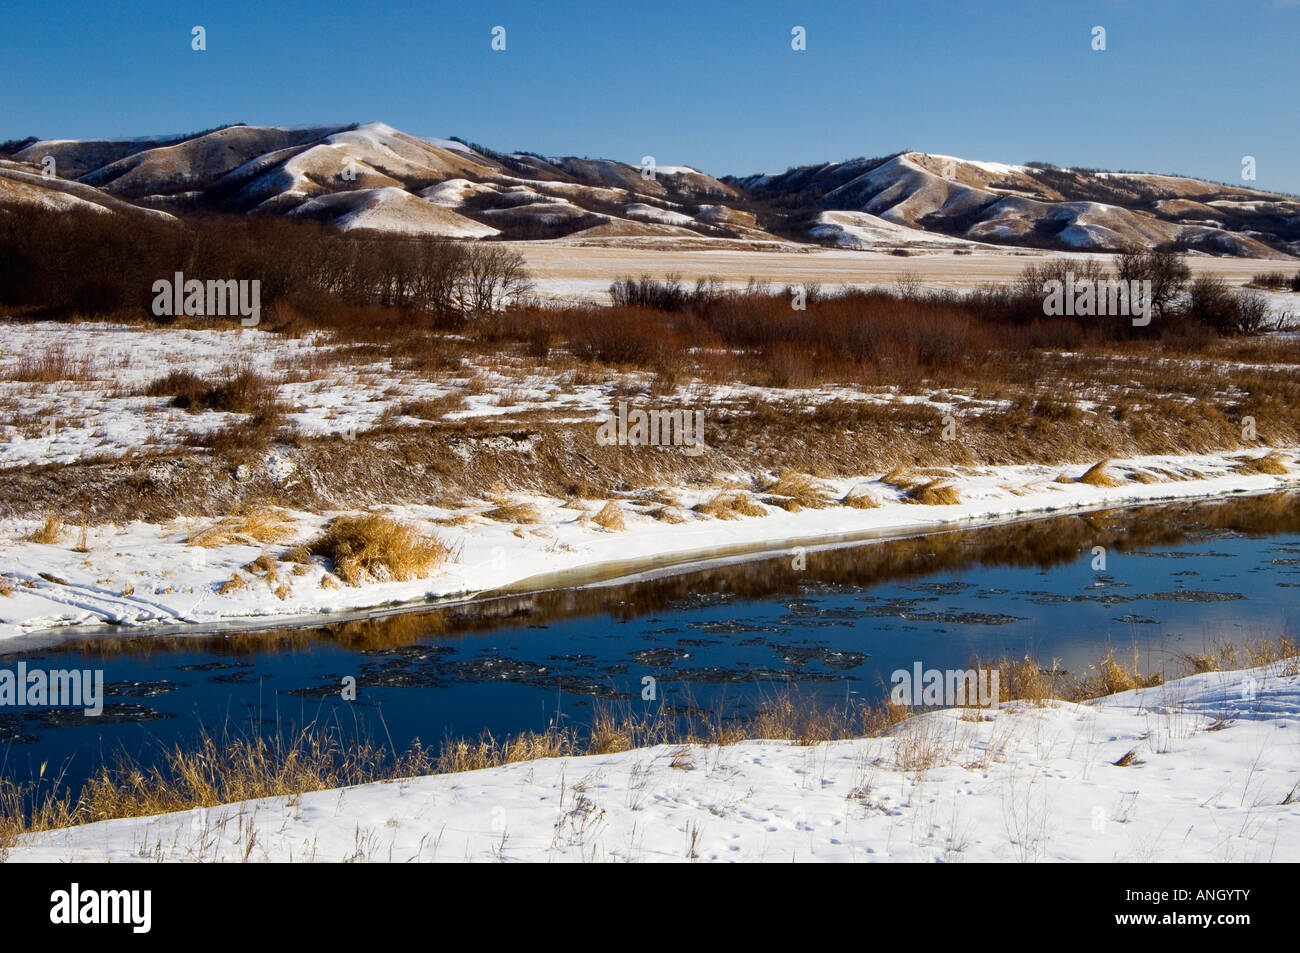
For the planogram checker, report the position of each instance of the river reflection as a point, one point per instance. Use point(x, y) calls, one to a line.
point(836, 622)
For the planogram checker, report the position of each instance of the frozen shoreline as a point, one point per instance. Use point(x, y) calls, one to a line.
point(1204, 768)
point(147, 577)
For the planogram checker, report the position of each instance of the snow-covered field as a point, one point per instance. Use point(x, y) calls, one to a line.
point(1211, 775)
point(102, 412)
point(568, 268)
point(144, 573)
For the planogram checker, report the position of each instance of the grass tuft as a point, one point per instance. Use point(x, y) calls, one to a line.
point(610, 518)
point(902, 478)
point(49, 533)
point(1272, 463)
point(377, 548)
point(934, 493)
point(260, 526)
point(730, 505)
point(509, 511)
point(667, 514)
point(860, 498)
point(1098, 475)
point(800, 488)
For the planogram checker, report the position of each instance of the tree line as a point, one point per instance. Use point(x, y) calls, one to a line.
point(92, 263)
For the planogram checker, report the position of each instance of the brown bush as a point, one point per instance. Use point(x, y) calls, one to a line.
point(378, 548)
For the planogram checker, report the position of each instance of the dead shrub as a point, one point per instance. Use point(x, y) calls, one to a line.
point(510, 511)
point(610, 518)
point(240, 390)
point(49, 533)
point(233, 584)
point(934, 493)
point(1272, 463)
point(860, 498)
point(667, 514)
point(432, 408)
point(802, 489)
point(902, 478)
point(254, 527)
point(378, 548)
point(1098, 475)
point(730, 505)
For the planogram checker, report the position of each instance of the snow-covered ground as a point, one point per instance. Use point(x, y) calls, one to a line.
point(1213, 776)
point(144, 573)
point(102, 412)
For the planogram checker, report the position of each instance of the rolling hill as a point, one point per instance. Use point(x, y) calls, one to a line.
point(376, 177)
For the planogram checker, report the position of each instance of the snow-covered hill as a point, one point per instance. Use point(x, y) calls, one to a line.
point(376, 177)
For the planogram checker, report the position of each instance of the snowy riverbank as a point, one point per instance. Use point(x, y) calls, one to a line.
point(150, 574)
point(1212, 777)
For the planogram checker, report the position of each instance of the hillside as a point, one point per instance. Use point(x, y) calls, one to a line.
point(1037, 206)
point(376, 177)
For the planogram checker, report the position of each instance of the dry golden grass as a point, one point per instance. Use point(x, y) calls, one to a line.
point(610, 518)
point(233, 584)
point(610, 733)
point(432, 408)
point(49, 533)
point(377, 548)
point(1024, 679)
point(264, 563)
point(802, 489)
point(901, 478)
point(1267, 651)
point(782, 502)
point(1200, 662)
point(460, 755)
point(254, 527)
point(667, 514)
point(6, 589)
point(460, 519)
point(213, 773)
point(666, 497)
point(1272, 463)
point(52, 364)
point(1115, 677)
point(1098, 475)
point(510, 511)
point(860, 498)
point(1225, 656)
point(239, 769)
point(730, 505)
point(934, 493)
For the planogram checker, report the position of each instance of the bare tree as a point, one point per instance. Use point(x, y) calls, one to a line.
point(491, 278)
point(1166, 271)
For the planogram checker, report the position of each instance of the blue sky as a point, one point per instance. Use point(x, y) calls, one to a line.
point(1186, 86)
